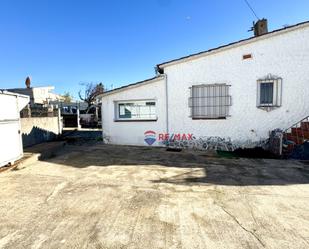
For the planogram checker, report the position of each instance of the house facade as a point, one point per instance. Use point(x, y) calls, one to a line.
point(39, 96)
point(231, 96)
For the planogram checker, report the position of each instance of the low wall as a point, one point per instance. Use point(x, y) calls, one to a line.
point(39, 130)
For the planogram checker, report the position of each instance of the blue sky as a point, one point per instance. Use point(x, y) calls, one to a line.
point(70, 42)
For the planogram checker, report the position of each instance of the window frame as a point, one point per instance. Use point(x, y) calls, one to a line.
point(117, 115)
point(277, 92)
point(263, 100)
point(208, 104)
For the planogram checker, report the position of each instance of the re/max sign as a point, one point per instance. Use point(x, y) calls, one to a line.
point(178, 136)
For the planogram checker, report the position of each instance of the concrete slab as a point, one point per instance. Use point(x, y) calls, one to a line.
point(101, 196)
point(37, 152)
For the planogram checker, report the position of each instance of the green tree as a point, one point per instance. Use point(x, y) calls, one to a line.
point(67, 97)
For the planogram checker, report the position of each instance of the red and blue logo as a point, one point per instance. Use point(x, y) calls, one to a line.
point(150, 137)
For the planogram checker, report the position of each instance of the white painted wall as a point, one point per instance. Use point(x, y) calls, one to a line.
point(37, 130)
point(132, 133)
point(10, 136)
point(284, 54)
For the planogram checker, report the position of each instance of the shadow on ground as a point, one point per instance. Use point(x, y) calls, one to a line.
point(37, 135)
point(198, 167)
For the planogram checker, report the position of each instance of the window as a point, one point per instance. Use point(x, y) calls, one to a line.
point(269, 92)
point(136, 110)
point(210, 101)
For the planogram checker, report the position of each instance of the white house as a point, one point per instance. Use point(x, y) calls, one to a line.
point(38, 95)
point(233, 95)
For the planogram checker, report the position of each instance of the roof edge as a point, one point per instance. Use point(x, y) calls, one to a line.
point(232, 45)
point(132, 85)
point(5, 92)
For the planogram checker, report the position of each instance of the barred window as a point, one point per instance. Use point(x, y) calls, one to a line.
point(269, 92)
point(210, 101)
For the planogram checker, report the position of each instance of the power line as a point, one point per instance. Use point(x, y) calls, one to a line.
point(251, 8)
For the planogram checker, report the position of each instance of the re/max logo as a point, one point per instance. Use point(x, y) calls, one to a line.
point(175, 137)
point(151, 137)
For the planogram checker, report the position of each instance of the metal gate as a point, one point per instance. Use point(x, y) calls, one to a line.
point(11, 148)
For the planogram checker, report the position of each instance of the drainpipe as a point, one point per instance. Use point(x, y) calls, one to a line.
point(166, 103)
point(102, 120)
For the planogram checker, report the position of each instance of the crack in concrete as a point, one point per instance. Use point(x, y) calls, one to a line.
point(245, 229)
point(56, 190)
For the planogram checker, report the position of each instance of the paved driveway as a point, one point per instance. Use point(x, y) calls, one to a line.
point(126, 197)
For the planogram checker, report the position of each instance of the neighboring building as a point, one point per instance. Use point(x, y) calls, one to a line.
point(233, 95)
point(40, 119)
point(79, 114)
point(39, 96)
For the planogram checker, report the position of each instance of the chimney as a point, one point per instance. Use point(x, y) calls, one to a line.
point(28, 82)
point(260, 27)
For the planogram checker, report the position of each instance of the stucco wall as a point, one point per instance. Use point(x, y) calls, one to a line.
point(133, 132)
point(38, 130)
point(286, 56)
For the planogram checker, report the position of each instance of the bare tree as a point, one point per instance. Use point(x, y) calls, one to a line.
point(91, 92)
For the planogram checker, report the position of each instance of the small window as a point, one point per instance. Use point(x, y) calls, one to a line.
point(269, 92)
point(136, 110)
point(210, 101)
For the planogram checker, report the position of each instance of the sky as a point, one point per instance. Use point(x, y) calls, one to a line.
point(68, 43)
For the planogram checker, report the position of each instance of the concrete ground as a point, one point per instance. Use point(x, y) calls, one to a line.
point(96, 196)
